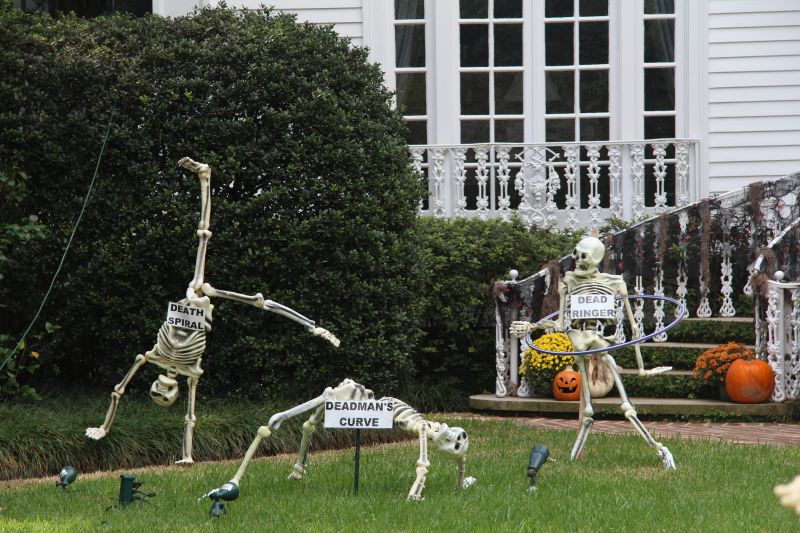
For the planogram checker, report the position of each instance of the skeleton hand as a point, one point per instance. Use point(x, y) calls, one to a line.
point(520, 328)
point(95, 433)
point(325, 334)
point(201, 169)
point(789, 494)
point(654, 371)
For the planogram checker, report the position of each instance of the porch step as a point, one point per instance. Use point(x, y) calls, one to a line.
point(699, 346)
point(644, 406)
point(739, 319)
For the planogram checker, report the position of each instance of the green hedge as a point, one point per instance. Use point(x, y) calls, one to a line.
point(314, 200)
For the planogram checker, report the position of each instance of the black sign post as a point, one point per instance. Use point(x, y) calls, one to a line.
point(357, 459)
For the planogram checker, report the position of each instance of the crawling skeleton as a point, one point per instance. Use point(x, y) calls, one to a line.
point(449, 441)
point(179, 350)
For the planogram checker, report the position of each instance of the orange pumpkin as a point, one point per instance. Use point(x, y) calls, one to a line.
point(567, 385)
point(749, 381)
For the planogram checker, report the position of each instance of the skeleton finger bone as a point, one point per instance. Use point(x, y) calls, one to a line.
point(327, 335)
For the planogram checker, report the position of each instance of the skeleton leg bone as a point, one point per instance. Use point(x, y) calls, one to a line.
point(588, 412)
point(189, 421)
point(119, 390)
point(630, 413)
point(415, 494)
point(299, 468)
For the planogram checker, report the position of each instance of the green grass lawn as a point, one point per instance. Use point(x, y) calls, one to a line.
point(619, 486)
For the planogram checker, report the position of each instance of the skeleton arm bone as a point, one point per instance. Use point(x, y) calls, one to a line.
point(257, 300)
point(636, 334)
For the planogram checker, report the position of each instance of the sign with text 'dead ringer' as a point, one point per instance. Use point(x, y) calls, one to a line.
point(591, 306)
point(186, 316)
point(358, 414)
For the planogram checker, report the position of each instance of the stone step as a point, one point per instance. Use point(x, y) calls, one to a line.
point(739, 319)
point(644, 406)
point(700, 346)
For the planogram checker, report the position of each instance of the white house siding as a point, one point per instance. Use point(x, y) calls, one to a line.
point(754, 91)
point(345, 15)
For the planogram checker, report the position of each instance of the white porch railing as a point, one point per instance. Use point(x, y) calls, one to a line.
point(567, 185)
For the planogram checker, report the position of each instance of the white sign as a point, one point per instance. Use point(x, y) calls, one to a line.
point(186, 316)
point(591, 306)
point(359, 414)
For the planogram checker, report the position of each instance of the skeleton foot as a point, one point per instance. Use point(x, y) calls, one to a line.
point(298, 471)
point(415, 494)
point(185, 461)
point(95, 433)
point(666, 458)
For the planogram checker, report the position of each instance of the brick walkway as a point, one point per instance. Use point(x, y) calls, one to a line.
point(741, 432)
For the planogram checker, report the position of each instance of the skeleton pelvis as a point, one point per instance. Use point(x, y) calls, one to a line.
point(164, 390)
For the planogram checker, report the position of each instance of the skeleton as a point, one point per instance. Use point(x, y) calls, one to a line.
point(449, 441)
point(178, 350)
point(789, 494)
point(586, 335)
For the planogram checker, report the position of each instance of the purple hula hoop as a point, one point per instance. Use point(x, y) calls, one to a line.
point(624, 344)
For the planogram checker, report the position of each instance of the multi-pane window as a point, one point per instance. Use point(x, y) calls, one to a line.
point(659, 92)
point(491, 71)
point(410, 67)
point(576, 70)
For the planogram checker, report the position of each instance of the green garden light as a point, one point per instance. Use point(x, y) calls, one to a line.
point(67, 476)
point(227, 492)
point(539, 455)
point(129, 490)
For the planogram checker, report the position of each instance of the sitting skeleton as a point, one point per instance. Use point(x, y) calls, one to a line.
point(585, 335)
point(448, 441)
point(179, 350)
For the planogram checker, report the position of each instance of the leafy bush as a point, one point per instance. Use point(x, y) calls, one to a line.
point(313, 198)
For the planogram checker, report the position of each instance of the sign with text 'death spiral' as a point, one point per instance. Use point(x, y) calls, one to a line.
point(186, 316)
point(358, 414)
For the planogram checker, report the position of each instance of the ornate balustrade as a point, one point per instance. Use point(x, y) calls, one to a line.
point(776, 283)
point(568, 185)
point(701, 254)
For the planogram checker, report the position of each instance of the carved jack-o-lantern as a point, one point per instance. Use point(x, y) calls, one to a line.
point(567, 385)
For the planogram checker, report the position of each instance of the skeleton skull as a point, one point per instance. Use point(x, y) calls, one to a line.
point(452, 442)
point(587, 255)
point(164, 391)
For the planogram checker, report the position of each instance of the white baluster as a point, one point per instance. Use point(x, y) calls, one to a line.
point(417, 155)
point(637, 175)
point(501, 357)
point(593, 151)
point(438, 177)
point(615, 179)
point(726, 278)
point(683, 276)
point(571, 173)
point(775, 340)
point(793, 388)
point(482, 175)
point(660, 173)
point(681, 174)
point(459, 158)
point(553, 186)
point(503, 176)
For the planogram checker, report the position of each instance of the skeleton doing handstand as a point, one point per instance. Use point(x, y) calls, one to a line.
point(584, 335)
point(179, 350)
point(448, 441)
